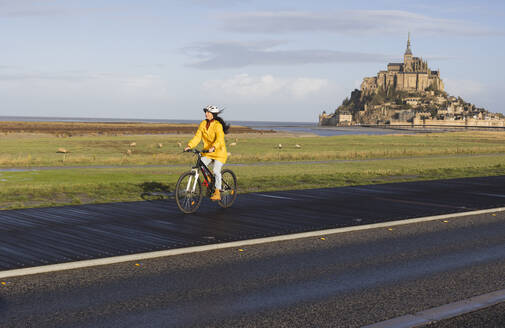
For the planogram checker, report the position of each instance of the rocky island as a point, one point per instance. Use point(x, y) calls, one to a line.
point(408, 93)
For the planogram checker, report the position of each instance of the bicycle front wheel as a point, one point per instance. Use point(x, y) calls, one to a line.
point(229, 186)
point(188, 192)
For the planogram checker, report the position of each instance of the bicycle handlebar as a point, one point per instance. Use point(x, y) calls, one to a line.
point(196, 151)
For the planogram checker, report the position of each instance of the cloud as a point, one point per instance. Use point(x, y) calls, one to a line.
point(27, 8)
point(15, 75)
point(302, 87)
point(485, 95)
point(217, 3)
point(84, 85)
point(272, 97)
point(216, 55)
point(462, 87)
point(244, 86)
point(34, 8)
point(350, 21)
point(36, 13)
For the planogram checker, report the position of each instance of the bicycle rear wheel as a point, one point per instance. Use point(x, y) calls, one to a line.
point(229, 186)
point(188, 193)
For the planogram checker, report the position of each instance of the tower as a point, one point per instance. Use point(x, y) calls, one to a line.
point(407, 57)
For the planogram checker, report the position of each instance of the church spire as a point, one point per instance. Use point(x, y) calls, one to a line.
point(408, 51)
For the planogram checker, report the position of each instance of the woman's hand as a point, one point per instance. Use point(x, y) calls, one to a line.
point(212, 149)
point(187, 148)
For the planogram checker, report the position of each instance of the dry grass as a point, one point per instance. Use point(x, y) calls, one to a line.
point(68, 129)
point(28, 149)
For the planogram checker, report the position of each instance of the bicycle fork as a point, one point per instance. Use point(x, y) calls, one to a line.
point(195, 176)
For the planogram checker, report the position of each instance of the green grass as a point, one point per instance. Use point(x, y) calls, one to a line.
point(96, 185)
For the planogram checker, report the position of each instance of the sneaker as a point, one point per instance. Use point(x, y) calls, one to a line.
point(216, 195)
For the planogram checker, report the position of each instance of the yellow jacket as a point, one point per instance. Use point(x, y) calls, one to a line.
point(212, 137)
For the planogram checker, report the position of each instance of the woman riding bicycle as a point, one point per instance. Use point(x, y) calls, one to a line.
point(212, 131)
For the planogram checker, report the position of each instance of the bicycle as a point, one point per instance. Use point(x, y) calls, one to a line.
point(188, 190)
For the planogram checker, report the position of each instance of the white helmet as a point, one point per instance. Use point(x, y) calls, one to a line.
point(213, 109)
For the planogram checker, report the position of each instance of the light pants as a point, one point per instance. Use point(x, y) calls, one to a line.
point(216, 169)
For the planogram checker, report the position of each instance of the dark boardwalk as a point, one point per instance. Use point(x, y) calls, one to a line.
point(35, 237)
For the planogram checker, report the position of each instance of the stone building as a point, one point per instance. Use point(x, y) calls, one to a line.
point(411, 75)
point(340, 118)
point(344, 118)
point(327, 119)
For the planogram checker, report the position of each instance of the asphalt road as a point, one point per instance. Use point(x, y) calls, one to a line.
point(491, 317)
point(41, 236)
point(344, 280)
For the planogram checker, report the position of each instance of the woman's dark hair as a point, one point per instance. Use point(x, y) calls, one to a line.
point(226, 127)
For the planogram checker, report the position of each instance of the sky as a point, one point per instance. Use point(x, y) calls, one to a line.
point(283, 60)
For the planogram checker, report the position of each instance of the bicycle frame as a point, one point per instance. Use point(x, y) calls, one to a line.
point(188, 190)
point(208, 177)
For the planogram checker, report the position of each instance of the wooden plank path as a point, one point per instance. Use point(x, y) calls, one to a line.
point(34, 237)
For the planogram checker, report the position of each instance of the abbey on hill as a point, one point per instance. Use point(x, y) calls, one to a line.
point(408, 93)
point(411, 75)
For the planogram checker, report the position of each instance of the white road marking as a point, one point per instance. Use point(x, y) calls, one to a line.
point(270, 196)
point(240, 243)
point(374, 190)
point(304, 195)
point(443, 312)
point(486, 194)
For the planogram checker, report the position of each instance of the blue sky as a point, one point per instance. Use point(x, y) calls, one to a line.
point(262, 60)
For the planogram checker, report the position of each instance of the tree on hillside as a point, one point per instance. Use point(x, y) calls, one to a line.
point(352, 104)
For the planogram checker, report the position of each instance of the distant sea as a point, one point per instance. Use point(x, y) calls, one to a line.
point(296, 127)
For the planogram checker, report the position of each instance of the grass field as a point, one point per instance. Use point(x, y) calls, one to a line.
point(27, 149)
point(320, 162)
